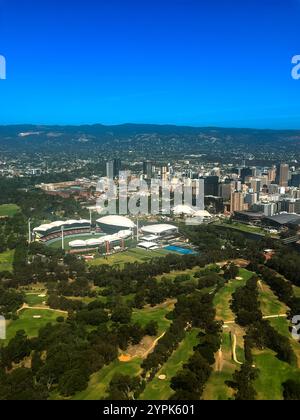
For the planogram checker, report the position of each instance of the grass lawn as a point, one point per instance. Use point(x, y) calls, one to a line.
point(273, 373)
point(269, 302)
point(160, 390)
point(134, 255)
point(6, 260)
point(243, 227)
point(30, 325)
point(158, 314)
point(99, 382)
point(9, 210)
point(223, 297)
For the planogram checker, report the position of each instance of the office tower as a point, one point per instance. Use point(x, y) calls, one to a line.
point(113, 167)
point(237, 201)
point(282, 175)
point(147, 169)
point(211, 186)
point(295, 181)
point(110, 170)
point(117, 166)
point(225, 191)
point(272, 174)
point(245, 172)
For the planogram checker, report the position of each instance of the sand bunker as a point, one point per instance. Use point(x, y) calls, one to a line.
point(124, 358)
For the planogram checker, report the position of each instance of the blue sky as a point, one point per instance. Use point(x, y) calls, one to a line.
point(213, 62)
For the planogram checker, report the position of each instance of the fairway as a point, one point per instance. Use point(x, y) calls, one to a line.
point(171, 276)
point(269, 302)
point(223, 297)
point(272, 373)
point(99, 382)
point(9, 210)
point(282, 325)
point(35, 299)
point(160, 389)
point(216, 389)
point(296, 291)
point(158, 314)
point(6, 260)
point(30, 325)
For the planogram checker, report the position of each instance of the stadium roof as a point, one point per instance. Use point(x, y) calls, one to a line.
point(202, 213)
point(117, 221)
point(158, 229)
point(60, 224)
point(284, 218)
point(183, 209)
point(147, 245)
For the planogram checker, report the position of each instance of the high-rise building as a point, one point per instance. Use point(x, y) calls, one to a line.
point(148, 169)
point(282, 176)
point(295, 181)
point(245, 172)
point(225, 191)
point(237, 201)
point(211, 186)
point(272, 174)
point(113, 167)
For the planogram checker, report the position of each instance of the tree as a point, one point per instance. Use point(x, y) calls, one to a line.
point(123, 387)
point(291, 390)
point(151, 328)
point(73, 381)
point(122, 315)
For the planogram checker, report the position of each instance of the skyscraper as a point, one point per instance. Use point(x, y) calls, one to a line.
point(272, 174)
point(211, 186)
point(147, 169)
point(237, 201)
point(245, 172)
point(282, 177)
point(113, 168)
point(295, 181)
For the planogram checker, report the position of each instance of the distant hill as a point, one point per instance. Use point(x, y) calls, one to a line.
point(150, 140)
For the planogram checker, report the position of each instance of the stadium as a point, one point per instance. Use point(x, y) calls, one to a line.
point(114, 224)
point(53, 231)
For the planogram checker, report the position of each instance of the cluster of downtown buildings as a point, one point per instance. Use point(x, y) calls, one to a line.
point(266, 190)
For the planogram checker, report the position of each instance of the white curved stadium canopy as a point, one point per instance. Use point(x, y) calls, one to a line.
point(60, 224)
point(117, 221)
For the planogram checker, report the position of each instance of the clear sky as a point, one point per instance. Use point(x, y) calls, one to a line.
point(195, 62)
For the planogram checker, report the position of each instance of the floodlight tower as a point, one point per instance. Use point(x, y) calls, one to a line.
point(137, 229)
point(62, 238)
point(29, 231)
point(90, 210)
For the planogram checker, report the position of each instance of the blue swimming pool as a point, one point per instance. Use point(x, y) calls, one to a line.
point(182, 251)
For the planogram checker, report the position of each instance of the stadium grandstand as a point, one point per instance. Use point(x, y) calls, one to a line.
point(96, 242)
point(52, 231)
